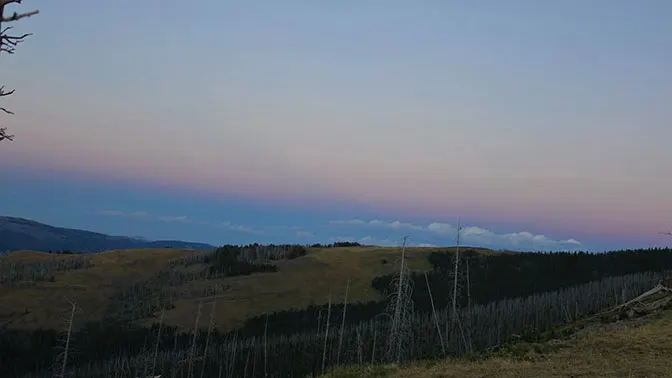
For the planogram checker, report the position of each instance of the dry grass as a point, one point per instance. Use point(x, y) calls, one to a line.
point(111, 273)
point(624, 349)
point(298, 283)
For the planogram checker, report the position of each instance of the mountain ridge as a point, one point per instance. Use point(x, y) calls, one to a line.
point(25, 234)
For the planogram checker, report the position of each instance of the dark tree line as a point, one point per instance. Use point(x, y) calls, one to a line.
point(336, 245)
point(251, 254)
point(233, 260)
point(496, 277)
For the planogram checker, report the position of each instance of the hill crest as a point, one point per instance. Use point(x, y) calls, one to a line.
point(26, 234)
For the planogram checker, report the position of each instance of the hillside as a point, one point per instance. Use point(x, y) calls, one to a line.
point(297, 284)
point(278, 310)
point(24, 234)
point(634, 347)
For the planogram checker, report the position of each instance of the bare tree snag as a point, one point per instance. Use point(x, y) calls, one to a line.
point(8, 43)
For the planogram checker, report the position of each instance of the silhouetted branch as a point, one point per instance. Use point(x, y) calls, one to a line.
point(3, 93)
point(15, 16)
point(4, 135)
point(8, 45)
point(18, 16)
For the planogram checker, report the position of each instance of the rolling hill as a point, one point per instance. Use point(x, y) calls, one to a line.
point(297, 284)
point(282, 307)
point(24, 234)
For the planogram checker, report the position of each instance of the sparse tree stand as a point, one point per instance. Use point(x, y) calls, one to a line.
point(8, 43)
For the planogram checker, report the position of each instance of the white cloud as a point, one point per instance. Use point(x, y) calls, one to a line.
point(442, 228)
point(178, 218)
point(118, 213)
point(396, 225)
point(341, 238)
point(111, 212)
point(232, 227)
point(291, 228)
point(372, 240)
point(384, 233)
point(471, 235)
point(352, 222)
point(304, 234)
point(521, 239)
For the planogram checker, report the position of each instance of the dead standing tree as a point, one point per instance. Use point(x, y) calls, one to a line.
point(400, 310)
point(8, 43)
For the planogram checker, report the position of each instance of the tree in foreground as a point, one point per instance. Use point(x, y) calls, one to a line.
point(8, 43)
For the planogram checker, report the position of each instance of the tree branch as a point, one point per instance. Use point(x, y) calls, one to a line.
point(13, 39)
point(8, 45)
point(4, 135)
point(18, 16)
point(15, 16)
point(3, 93)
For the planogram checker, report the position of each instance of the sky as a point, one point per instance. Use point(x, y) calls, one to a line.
point(539, 125)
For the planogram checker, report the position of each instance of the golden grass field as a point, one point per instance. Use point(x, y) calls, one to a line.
point(297, 284)
point(623, 349)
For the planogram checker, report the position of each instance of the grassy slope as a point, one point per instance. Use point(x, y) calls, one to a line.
point(297, 284)
point(637, 348)
point(111, 272)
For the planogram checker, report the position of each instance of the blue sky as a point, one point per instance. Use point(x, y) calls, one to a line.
point(239, 121)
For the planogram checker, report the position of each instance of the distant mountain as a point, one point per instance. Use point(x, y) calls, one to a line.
point(21, 234)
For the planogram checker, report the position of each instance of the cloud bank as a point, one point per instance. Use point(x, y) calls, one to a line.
point(369, 232)
point(143, 215)
point(445, 234)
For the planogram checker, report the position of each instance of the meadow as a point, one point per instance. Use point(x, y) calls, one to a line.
point(288, 310)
